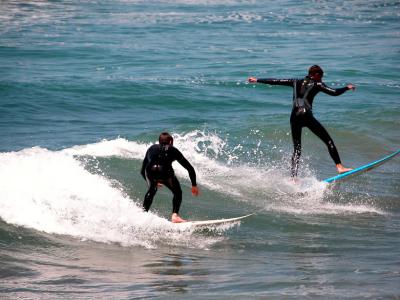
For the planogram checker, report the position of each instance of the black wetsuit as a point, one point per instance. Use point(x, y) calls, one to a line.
point(157, 168)
point(302, 116)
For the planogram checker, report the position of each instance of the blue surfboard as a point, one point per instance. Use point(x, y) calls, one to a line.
point(362, 169)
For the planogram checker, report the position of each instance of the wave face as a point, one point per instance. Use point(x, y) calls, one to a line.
point(67, 192)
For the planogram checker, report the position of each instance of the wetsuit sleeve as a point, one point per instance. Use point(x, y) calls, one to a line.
point(330, 91)
point(273, 81)
point(185, 163)
point(145, 162)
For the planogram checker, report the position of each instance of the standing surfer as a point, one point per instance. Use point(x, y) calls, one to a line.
point(304, 91)
point(157, 170)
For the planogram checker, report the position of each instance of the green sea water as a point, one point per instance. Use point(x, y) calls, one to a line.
point(87, 86)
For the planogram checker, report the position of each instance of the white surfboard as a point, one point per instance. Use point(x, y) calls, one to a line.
point(362, 169)
point(210, 223)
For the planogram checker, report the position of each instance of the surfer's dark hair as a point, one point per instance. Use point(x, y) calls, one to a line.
point(315, 69)
point(165, 138)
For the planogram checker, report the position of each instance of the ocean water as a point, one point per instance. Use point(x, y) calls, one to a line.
point(87, 86)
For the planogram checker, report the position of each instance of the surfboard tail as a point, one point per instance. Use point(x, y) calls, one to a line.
point(206, 223)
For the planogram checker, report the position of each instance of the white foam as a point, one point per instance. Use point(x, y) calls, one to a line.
point(262, 184)
point(53, 192)
point(119, 147)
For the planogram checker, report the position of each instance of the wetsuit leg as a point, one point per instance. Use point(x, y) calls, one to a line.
point(173, 184)
point(296, 127)
point(148, 198)
point(320, 131)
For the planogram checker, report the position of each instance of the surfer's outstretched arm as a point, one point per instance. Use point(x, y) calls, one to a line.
point(272, 81)
point(335, 92)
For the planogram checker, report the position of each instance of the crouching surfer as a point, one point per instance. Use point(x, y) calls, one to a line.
point(157, 170)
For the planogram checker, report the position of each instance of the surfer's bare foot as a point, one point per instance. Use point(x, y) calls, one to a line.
point(295, 180)
point(176, 218)
point(341, 169)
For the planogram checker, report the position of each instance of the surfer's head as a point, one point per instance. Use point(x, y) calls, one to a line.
point(316, 72)
point(165, 139)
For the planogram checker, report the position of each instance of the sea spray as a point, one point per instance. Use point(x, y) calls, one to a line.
point(266, 185)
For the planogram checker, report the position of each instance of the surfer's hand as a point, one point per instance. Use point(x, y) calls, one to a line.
point(351, 87)
point(195, 191)
point(252, 79)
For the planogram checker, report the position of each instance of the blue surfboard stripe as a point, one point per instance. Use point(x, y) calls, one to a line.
point(362, 168)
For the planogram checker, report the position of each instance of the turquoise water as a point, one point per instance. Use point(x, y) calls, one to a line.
point(86, 88)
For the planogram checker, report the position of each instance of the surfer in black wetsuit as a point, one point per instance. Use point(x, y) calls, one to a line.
point(157, 170)
point(304, 91)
